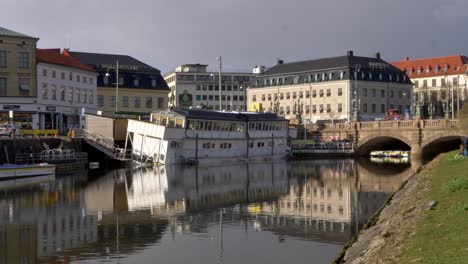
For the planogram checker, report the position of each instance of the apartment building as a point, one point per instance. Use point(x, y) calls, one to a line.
point(67, 89)
point(332, 88)
point(141, 90)
point(17, 77)
point(192, 85)
point(437, 80)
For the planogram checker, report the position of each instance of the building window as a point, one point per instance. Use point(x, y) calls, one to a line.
point(373, 108)
point(321, 108)
point(44, 91)
point(24, 86)
point(85, 79)
point(149, 102)
point(382, 108)
point(400, 94)
point(3, 87)
point(424, 83)
point(70, 95)
point(23, 60)
point(3, 58)
point(373, 92)
point(54, 74)
point(307, 94)
point(198, 97)
point(340, 108)
point(90, 80)
point(100, 100)
point(391, 93)
point(78, 95)
point(44, 72)
point(124, 101)
point(328, 108)
point(136, 102)
point(78, 78)
point(340, 91)
point(105, 80)
point(416, 84)
point(434, 82)
point(364, 92)
point(254, 98)
point(112, 100)
point(70, 76)
point(54, 92)
point(91, 97)
point(136, 82)
point(63, 75)
point(365, 108)
point(442, 82)
point(153, 83)
point(85, 96)
point(382, 93)
point(328, 92)
point(321, 93)
point(455, 81)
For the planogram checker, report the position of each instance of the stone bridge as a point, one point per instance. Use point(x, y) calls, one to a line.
point(421, 136)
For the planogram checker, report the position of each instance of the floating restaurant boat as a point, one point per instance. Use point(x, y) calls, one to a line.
point(393, 154)
point(181, 135)
point(10, 171)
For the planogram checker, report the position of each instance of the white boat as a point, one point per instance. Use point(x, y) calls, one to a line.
point(8, 171)
point(182, 135)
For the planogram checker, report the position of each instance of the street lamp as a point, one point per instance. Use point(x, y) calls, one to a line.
point(116, 69)
point(356, 101)
point(219, 59)
point(241, 88)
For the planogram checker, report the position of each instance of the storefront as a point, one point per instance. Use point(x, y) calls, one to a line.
point(21, 119)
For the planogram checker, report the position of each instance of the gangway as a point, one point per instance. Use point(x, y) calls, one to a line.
point(106, 145)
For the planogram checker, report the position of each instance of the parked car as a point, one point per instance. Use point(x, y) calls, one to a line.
point(393, 114)
point(9, 129)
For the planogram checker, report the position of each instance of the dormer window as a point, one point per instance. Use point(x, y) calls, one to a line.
point(445, 68)
point(330, 76)
point(418, 72)
point(370, 75)
point(410, 72)
point(363, 75)
point(323, 76)
point(316, 78)
point(342, 75)
point(390, 77)
point(380, 76)
point(436, 69)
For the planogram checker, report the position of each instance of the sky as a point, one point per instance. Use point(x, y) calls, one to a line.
point(168, 33)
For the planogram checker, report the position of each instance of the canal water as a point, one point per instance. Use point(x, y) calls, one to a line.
point(275, 212)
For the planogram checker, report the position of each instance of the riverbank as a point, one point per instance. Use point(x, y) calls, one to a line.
point(423, 222)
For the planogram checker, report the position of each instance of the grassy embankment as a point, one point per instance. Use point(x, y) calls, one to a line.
point(441, 236)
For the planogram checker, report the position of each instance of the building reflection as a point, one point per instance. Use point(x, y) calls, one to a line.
point(127, 210)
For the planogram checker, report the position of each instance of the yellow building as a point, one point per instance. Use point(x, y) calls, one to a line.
point(141, 89)
point(17, 76)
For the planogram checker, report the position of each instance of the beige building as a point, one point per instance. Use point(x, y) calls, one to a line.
point(326, 89)
point(17, 76)
point(437, 81)
point(141, 91)
point(193, 86)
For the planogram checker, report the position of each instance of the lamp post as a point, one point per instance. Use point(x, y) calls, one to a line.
point(418, 102)
point(453, 112)
point(241, 88)
point(446, 108)
point(116, 69)
point(219, 59)
point(356, 101)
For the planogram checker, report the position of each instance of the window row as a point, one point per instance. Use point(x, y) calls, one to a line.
point(428, 69)
point(212, 78)
point(78, 78)
point(320, 108)
point(301, 94)
point(136, 102)
point(383, 108)
point(236, 126)
point(78, 95)
point(24, 86)
point(382, 93)
point(443, 82)
point(234, 88)
point(135, 82)
point(216, 98)
point(23, 59)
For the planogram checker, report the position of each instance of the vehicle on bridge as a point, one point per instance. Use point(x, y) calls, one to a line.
point(393, 114)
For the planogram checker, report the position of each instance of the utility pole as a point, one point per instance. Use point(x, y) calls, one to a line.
point(219, 73)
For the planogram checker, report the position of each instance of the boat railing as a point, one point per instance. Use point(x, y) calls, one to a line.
point(52, 155)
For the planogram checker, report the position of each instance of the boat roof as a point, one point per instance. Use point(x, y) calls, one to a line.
point(199, 113)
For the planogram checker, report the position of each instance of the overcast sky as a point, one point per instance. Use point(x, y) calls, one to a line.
point(167, 33)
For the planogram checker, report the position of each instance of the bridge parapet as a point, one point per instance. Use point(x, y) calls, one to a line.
point(440, 123)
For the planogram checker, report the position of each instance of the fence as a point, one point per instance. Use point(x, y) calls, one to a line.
point(52, 156)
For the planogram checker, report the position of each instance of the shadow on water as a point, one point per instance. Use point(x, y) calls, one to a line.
point(229, 213)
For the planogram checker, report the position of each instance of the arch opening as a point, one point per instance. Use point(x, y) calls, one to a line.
point(441, 145)
point(382, 143)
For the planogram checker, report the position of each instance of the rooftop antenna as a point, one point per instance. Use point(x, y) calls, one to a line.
point(68, 37)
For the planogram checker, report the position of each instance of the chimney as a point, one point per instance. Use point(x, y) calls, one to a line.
point(280, 61)
point(377, 55)
point(406, 58)
point(350, 53)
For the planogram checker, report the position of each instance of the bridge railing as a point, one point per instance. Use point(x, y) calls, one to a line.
point(397, 124)
point(108, 144)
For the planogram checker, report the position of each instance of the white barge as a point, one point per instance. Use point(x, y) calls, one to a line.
point(11, 171)
point(182, 135)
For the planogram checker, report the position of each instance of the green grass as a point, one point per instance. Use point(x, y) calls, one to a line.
point(442, 235)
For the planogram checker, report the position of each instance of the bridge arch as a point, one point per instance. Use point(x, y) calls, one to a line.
point(441, 141)
point(383, 141)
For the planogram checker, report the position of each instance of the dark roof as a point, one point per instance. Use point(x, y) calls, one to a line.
point(11, 33)
point(53, 56)
point(98, 59)
point(198, 113)
point(341, 62)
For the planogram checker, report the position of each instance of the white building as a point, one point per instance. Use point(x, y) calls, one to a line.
point(66, 89)
point(192, 85)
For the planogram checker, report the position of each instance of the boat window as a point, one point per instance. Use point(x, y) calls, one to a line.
point(251, 126)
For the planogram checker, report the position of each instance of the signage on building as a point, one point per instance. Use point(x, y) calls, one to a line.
point(10, 114)
point(121, 67)
point(51, 108)
point(185, 99)
point(83, 110)
point(11, 107)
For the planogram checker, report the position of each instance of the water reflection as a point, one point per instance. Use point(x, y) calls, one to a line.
point(232, 213)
